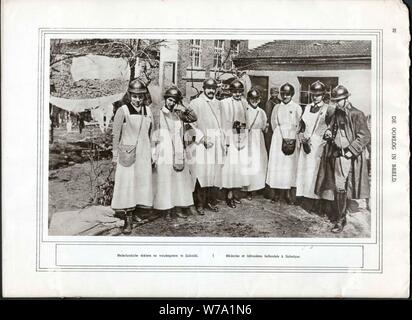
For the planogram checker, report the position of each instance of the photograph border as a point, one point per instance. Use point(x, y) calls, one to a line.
point(42, 128)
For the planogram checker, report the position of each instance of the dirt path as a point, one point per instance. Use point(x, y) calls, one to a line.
point(256, 218)
point(69, 189)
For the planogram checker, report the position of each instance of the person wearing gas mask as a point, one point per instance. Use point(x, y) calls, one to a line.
point(343, 171)
point(132, 155)
point(172, 180)
point(257, 155)
point(283, 156)
point(313, 124)
point(208, 147)
point(234, 171)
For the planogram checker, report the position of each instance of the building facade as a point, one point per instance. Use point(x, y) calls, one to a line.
point(187, 63)
point(301, 62)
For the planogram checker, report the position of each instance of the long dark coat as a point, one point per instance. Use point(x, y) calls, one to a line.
point(358, 134)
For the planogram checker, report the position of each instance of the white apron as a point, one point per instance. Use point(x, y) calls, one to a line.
point(282, 168)
point(172, 188)
point(234, 172)
point(133, 185)
point(206, 164)
point(308, 164)
point(258, 158)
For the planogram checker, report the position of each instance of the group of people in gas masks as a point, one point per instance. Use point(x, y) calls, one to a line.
point(177, 156)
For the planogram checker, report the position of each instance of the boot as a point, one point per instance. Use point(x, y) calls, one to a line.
point(291, 196)
point(179, 213)
point(340, 200)
point(192, 211)
point(236, 198)
point(200, 211)
point(128, 223)
point(212, 196)
point(229, 199)
point(200, 200)
point(211, 202)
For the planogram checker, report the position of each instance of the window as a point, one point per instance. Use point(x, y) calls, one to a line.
point(195, 53)
point(218, 54)
point(305, 82)
point(235, 49)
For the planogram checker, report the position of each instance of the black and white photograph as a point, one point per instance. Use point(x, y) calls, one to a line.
point(205, 149)
point(210, 138)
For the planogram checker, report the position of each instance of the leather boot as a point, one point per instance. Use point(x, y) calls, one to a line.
point(179, 212)
point(341, 201)
point(229, 199)
point(128, 223)
point(211, 202)
point(236, 198)
point(192, 211)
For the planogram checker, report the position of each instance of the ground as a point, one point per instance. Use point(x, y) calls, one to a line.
point(70, 189)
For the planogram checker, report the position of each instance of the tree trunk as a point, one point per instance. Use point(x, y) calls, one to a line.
point(132, 71)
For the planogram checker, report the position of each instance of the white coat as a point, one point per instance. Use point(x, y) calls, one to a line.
point(308, 164)
point(235, 164)
point(171, 188)
point(282, 168)
point(133, 185)
point(258, 157)
point(206, 163)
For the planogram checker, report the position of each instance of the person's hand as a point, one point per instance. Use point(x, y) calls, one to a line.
point(266, 129)
point(179, 107)
point(348, 154)
point(327, 135)
point(207, 143)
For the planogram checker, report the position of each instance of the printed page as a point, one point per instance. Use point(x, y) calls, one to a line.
point(205, 149)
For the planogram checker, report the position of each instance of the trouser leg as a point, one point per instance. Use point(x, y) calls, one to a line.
point(127, 216)
point(342, 172)
point(199, 198)
point(236, 197)
point(210, 199)
point(291, 196)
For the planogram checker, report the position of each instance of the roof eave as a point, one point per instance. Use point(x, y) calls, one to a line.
point(302, 60)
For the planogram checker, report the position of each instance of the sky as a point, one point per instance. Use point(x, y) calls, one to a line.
point(255, 43)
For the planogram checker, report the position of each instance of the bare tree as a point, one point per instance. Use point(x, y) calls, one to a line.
point(130, 49)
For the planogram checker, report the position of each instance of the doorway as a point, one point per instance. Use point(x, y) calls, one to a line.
point(261, 83)
point(305, 82)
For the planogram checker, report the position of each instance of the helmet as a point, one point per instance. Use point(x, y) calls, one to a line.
point(137, 86)
point(287, 89)
point(210, 83)
point(173, 92)
point(254, 94)
point(317, 87)
point(236, 85)
point(339, 93)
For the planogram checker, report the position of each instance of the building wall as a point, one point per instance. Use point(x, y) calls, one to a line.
point(358, 82)
point(188, 79)
point(168, 53)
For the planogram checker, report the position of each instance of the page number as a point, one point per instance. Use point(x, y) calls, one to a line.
point(393, 30)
